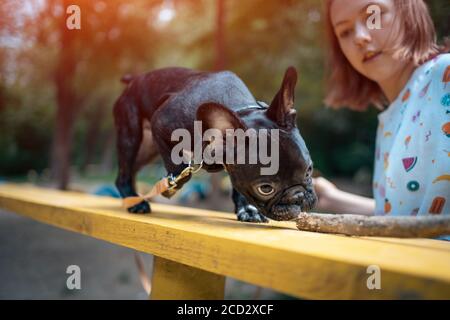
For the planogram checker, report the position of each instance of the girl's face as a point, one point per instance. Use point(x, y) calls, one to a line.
point(367, 49)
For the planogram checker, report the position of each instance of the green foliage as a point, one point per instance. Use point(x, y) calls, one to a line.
point(25, 135)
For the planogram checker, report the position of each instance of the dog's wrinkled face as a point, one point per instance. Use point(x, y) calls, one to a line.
point(286, 192)
point(284, 195)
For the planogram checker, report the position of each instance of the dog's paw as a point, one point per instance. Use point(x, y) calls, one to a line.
point(249, 213)
point(143, 207)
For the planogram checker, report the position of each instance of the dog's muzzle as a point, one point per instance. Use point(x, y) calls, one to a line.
point(291, 203)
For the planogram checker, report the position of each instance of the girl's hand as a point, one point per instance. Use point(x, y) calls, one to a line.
point(333, 200)
point(324, 191)
point(323, 186)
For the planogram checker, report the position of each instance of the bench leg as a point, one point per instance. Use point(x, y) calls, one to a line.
point(172, 280)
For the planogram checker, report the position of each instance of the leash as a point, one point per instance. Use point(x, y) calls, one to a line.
point(145, 280)
point(166, 185)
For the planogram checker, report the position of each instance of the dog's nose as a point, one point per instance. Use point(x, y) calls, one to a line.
point(295, 193)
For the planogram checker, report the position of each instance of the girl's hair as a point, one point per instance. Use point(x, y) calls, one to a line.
point(417, 42)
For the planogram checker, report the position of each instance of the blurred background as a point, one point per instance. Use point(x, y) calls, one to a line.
point(58, 87)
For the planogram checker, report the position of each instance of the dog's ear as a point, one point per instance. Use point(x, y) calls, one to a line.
point(214, 115)
point(281, 109)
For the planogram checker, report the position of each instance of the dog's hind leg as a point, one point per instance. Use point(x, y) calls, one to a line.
point(129, 131)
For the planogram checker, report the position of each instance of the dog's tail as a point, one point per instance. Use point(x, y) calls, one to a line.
point(127, 78)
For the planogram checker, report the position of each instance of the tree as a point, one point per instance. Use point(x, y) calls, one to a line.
point(110, 39)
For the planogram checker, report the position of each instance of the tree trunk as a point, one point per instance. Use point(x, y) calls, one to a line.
point(108, 157)
point(62, 145)
point(92, 135)
point(66, 104)
point(220, 58)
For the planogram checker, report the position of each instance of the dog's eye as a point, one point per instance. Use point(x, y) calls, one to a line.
point(266, 189)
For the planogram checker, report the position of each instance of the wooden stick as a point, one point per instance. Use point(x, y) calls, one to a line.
point(377, 226)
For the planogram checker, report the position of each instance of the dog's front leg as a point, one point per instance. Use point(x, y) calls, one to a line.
point(244, 210)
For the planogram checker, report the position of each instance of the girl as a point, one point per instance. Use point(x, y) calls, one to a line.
point(395, 64)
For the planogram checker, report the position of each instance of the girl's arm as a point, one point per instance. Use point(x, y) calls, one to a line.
point(333, 200)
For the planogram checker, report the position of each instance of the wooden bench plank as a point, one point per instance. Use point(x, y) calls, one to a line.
point(176, 281)
point(274, 255)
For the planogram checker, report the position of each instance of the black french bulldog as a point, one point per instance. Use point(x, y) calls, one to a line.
point(155, 104)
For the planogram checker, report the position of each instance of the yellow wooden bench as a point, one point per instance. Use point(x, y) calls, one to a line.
point(196, 249)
